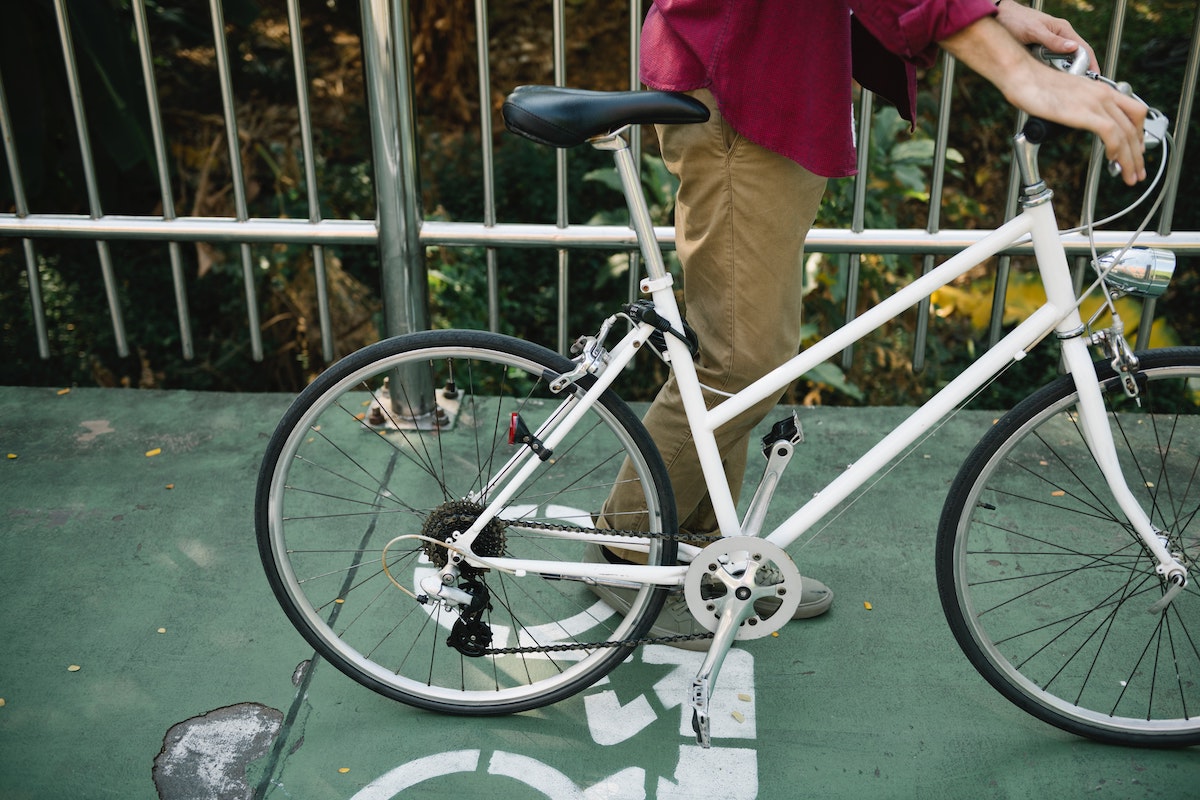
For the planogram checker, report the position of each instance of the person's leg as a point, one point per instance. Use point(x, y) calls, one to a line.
point(741, 217)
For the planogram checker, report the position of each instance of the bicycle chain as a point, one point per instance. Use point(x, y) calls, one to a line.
point(630, 643)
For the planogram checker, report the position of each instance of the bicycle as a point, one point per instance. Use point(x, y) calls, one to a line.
point(424, 507)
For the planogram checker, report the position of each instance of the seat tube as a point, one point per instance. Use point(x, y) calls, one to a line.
point(659, 286)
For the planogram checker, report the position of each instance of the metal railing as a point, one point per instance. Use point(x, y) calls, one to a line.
point(398, 230)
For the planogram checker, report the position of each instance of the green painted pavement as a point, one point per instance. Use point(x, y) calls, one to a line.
point(142, 571)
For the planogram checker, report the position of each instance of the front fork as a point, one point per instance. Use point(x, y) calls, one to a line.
point(1098, 436)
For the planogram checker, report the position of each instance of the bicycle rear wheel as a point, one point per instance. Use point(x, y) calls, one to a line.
point(1043, 580)
point(404, 437)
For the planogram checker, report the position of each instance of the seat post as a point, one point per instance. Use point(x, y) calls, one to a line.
point(635, 199)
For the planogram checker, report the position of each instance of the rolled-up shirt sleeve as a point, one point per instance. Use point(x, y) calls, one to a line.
point(912, 28)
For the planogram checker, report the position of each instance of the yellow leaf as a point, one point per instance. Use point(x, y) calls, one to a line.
point(153, 453)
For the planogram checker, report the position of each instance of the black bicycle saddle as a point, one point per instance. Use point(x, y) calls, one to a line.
point(563, 117)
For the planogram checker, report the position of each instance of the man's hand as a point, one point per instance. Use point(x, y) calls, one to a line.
point(1030, 26)
point(991, 50)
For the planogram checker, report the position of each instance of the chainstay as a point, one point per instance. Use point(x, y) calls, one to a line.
point(686, 538)
point(630, 643)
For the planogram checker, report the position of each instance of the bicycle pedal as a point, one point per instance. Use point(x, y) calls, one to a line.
point(786, 430)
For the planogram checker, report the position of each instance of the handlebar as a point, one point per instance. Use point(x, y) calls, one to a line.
point(1038, 130)
point(1075, 63)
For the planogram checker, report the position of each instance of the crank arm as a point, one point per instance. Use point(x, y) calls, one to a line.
point(735, 613)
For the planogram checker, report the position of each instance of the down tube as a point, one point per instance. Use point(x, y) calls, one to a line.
point(1009, 348)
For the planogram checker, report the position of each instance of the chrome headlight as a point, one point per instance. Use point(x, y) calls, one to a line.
point(1142, 271)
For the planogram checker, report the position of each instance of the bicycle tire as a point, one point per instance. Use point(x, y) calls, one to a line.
point(342, 477)
point(1043, 581)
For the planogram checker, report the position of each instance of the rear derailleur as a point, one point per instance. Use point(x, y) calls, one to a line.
point(470, 635)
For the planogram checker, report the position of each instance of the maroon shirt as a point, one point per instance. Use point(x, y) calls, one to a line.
point(781, 70)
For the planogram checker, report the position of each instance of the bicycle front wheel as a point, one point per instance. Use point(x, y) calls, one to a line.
point(1045, 584)
point(411, 437)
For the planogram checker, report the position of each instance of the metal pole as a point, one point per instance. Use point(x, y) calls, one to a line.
point(22, 207)
point(310, 176)
point(89, 174)
point(560, 164)
point(858, 217)
point(937, 182)
point(236, 175)
point(164, 179)
point(487, 150)
point(405, 293)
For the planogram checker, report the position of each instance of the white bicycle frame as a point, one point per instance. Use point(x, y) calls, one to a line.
point(1059, 314)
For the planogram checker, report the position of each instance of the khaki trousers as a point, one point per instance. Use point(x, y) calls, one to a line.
point(741, 216)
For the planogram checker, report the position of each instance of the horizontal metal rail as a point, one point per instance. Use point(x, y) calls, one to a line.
point(525, 235)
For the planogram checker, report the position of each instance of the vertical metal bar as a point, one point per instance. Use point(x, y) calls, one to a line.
point(1004, 264)
point(413, 313)
point(89, 174)
point(1183, 115)
point(235, 171)
point(560, 170)
point(857, 222)
point(389, 91)
point(18, 187)
point(635, 133)
point(937, 181)
point(164, 178)
point(487, 146)
point(296, 33)
point(1092, 185)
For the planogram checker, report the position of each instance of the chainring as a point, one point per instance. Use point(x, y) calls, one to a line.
point(740, 571)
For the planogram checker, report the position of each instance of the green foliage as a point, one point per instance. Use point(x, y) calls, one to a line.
point(527, 283)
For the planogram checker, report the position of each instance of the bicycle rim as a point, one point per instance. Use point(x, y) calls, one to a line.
point(357, 462)
point(1045, 584)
